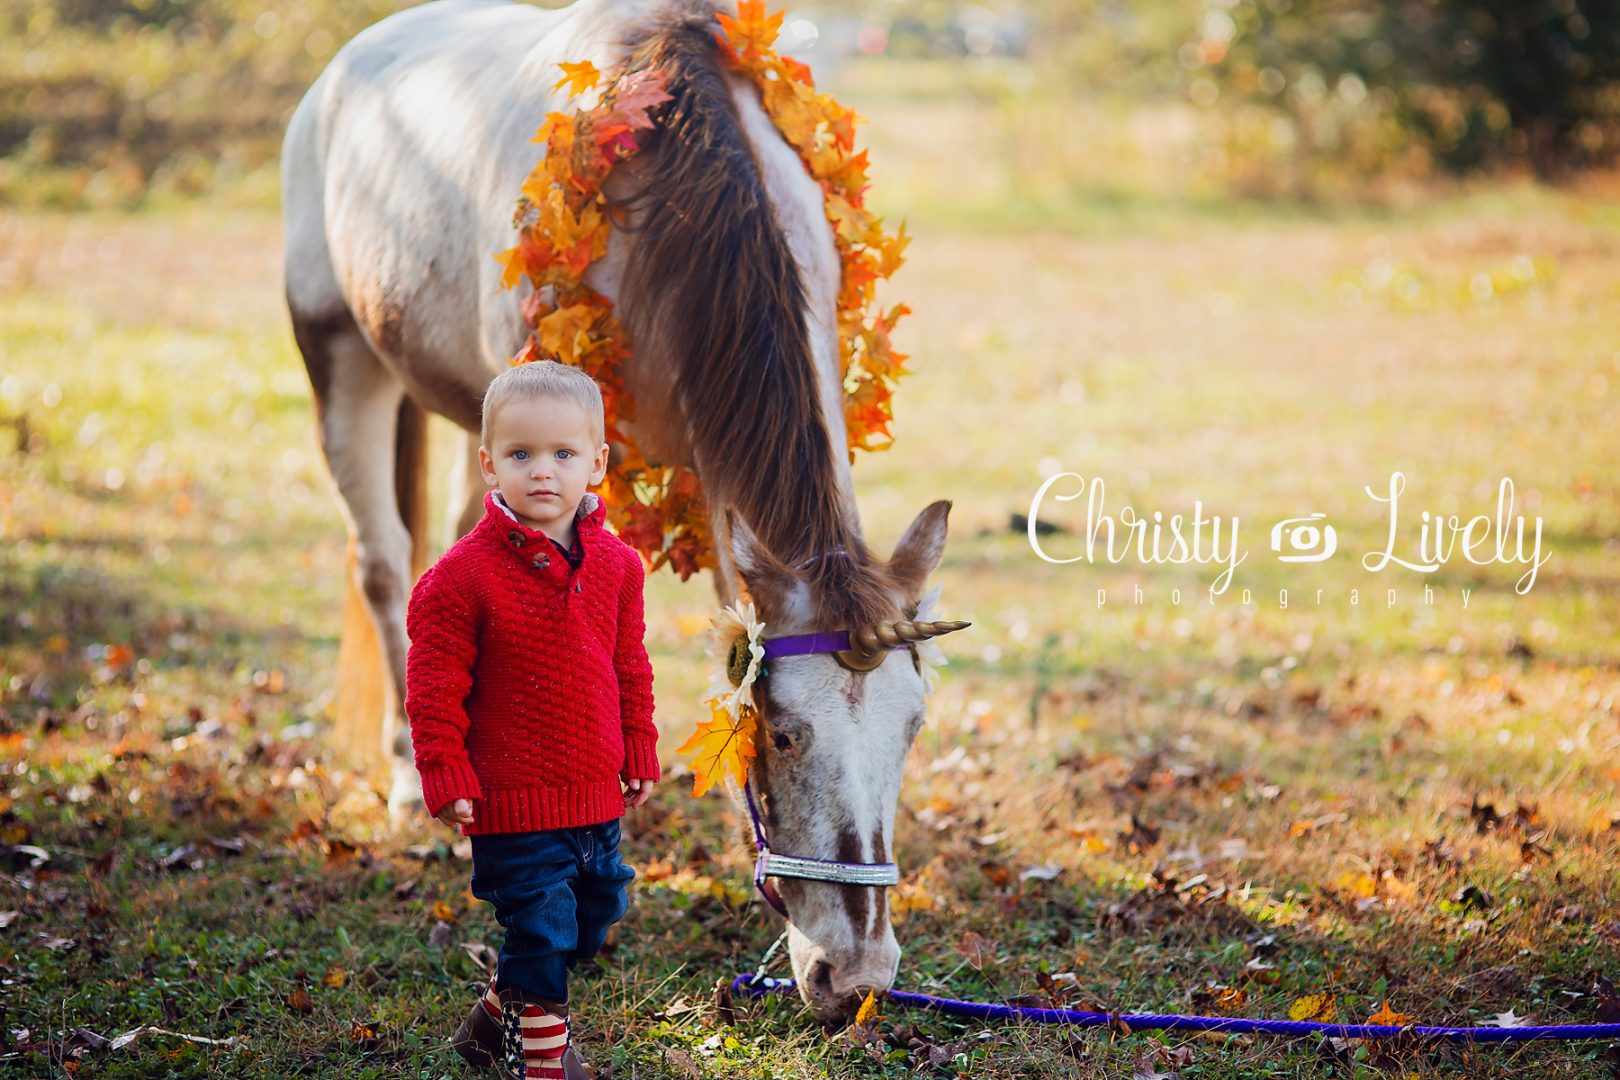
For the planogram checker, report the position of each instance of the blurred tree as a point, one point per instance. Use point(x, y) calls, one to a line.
point(101, 100)
point(1553, 64)
point(1471, 81)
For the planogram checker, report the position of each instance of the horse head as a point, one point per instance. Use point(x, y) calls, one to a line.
point(835, 729)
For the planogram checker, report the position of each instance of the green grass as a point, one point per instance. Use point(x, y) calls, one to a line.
point(170, 500)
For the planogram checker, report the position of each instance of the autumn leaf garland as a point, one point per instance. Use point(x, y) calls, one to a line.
point(564, 224)
point(823, 133)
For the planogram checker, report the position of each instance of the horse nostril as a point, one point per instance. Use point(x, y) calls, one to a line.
point(821, 980)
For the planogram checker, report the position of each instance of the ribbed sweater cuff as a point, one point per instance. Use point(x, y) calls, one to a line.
point(504, 810)
point(641, 759)
point(443, 784)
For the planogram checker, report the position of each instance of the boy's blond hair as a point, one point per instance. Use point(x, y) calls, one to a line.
point(545, 378)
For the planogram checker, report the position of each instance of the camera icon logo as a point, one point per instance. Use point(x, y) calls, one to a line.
point(1304, 540)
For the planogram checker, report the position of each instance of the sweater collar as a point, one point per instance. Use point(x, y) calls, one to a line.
point(534, 546)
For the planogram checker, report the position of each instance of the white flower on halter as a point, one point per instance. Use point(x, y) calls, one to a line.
point(930, 657)
point(737, 642)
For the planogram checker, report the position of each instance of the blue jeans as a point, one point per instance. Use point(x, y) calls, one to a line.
point(555, 892)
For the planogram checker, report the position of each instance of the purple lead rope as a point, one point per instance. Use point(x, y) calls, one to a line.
point(745, 984)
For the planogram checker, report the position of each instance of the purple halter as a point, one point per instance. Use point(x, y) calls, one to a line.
point(769, 864)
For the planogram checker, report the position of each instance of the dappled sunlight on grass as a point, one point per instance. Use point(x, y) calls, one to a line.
point(1209, 806)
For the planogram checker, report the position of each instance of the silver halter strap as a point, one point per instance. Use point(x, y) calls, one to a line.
point(768, 863)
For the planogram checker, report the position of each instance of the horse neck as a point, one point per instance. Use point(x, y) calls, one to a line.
point(730, 282)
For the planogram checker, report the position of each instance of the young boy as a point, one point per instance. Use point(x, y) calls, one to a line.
point(529, 695)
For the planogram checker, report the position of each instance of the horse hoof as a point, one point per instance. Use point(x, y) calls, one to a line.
point(405, 794)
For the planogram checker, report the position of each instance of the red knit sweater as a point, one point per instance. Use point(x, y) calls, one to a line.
point(527, 684)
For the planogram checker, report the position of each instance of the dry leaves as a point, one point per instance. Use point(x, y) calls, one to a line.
point(1318, 1008)
point(976, 949)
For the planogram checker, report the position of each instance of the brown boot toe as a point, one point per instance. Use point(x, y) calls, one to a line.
point(478, 1039)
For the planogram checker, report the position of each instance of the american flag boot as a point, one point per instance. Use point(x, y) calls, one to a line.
point(533, 1040)
point(478, 1039)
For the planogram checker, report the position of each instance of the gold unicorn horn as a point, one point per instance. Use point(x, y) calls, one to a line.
point(869, 647)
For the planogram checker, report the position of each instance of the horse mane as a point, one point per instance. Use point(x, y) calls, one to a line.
point(712, 280)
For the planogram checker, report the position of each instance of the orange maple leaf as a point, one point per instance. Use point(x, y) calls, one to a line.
point(511, 261)
point(578, 77)
point(1387, 1016)
point(796, 71)
point(720, 746)
point(752, 31)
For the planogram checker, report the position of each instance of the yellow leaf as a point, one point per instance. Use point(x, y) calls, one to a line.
point(719, 746)
point(1318, 1007)
point(512, 262)
point(892, 249)
point(577, 77)
point(868, 1010)
point(336, 976)
point(566, 333)
point(558, 125)
point(1387, 1016)
point(1359, 884)
point(908, 898)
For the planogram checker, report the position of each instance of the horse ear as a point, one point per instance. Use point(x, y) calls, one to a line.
point(920, 549)
point(761, 572)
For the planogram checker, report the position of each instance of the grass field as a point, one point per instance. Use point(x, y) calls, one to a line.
point(1229, 806)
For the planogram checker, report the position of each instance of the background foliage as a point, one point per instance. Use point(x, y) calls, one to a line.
point(111, 102)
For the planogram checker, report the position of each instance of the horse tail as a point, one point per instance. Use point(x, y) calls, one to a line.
point(712, 289)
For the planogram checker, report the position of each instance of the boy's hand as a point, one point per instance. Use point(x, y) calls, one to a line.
point(459, 812)
point(637, 792)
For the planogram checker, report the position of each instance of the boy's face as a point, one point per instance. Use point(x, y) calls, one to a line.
point(542, 459)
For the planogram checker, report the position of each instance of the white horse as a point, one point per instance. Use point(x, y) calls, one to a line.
point(400, 170)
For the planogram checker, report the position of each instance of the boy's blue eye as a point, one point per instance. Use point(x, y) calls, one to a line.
point(520, 454)
point(565, 453)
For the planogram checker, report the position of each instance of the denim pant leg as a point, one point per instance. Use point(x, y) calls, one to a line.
point(601, 892)
point(529, 878)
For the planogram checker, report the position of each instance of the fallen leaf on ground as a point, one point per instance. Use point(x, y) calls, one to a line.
point(482, 955)
point(1387, 1016)
point(1140, 837)
point(976, 949)
point(1319, 1008)
point(868, 1011)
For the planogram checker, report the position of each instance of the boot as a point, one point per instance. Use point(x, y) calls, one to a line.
point(534, 1038)
point(478, 1039)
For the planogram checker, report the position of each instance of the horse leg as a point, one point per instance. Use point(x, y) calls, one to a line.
point(465, 505)
point(374, 440)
